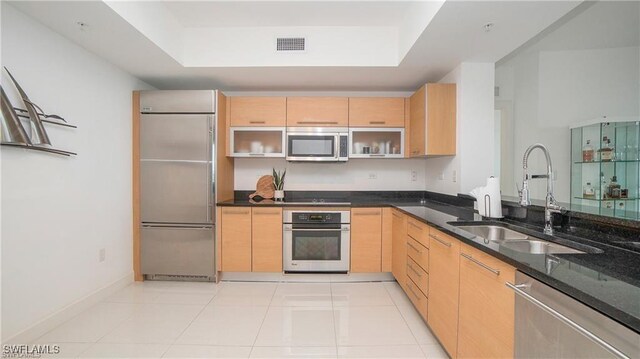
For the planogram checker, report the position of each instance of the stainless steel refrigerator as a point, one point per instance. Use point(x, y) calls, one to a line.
point(177, 185)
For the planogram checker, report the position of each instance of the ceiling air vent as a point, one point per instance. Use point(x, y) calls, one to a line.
point(290, 44)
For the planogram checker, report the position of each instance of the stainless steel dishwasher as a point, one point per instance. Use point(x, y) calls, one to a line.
point(550, 324)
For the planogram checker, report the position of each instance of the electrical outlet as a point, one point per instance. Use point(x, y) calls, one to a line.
point(102, 254)
point(454, 176)
point(373, 176)
point(414, 176)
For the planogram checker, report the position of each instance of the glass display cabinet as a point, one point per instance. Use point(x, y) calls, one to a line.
point(256, 141)
point(605, 168)
point(376, 143)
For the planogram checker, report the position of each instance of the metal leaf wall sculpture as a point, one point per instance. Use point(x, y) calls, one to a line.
point(16, 134)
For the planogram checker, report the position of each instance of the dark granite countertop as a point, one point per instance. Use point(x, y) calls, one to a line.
point(608, 281)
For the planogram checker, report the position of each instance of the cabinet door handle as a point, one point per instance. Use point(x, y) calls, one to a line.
point(371, 213)
point(377, 155)
point(413, 292)
point(377, 122)
point(320, 122)
point(415, 225)
point(396, 215)
point(448, 244)
point(255, 122)
point(256, 154)
point(494, 271)
point(265, 212)
point(229, 211)
point(414, 270)
point(566, 320)
point(414, 248)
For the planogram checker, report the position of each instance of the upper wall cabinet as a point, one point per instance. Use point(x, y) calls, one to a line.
point(376, 112)
point(433, 121)
point(257, 111)
point(318, 111)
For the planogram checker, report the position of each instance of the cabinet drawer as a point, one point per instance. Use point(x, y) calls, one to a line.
point(418, 298)
point(418, 252)
point(418, 231)
point(418, 276)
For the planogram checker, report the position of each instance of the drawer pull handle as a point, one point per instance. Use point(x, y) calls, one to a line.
point(264, 213)
point(414, 270)
point(414, 248)
point(494, 271)
point(448, 244)
point(257, 122)
point(235, 212)
point(415, 225)
point(396, 215)
point(320, 122)
point(374, 213)
point(377, 122)
point(413, 292)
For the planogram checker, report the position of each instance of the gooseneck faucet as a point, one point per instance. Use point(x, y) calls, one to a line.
point(551, 206)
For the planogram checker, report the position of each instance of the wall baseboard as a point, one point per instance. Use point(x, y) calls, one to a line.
point(304, 277)
point(55, 319)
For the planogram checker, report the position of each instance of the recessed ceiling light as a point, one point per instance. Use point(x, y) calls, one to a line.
point(488, 26)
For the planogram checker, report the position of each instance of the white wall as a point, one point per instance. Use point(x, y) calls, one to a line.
point(57, 213)
point(354, 175)
point(474, 161)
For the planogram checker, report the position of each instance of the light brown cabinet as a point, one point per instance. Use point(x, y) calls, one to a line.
point(376, 112)
point(399, 247)
point(257, 111)
point(418, 231)
point(366, 240)
point(317, 111)
point(387, 239)
point(266, 239)
point(444, 276)
point(486, 311)
point(236, 239)
point(433, 121)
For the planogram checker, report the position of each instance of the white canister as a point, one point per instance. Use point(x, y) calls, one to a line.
point(256, 147)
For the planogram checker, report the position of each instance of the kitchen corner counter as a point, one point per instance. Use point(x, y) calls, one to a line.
point(609, 281)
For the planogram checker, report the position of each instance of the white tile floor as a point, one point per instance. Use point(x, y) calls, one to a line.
point(249, 320)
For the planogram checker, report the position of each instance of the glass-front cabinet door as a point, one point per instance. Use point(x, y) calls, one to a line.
point(376, 143)
point(256, 142)
point(605, 168)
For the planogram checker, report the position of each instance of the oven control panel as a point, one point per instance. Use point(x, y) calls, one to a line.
point(316, 217)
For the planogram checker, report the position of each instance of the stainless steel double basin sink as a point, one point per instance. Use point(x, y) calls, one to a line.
point(517, 241)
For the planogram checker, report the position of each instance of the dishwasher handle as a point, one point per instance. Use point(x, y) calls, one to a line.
point(517, 288)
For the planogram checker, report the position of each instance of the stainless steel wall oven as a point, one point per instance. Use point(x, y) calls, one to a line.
point(316, 241)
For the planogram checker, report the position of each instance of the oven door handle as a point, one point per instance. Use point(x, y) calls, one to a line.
point(343, 228)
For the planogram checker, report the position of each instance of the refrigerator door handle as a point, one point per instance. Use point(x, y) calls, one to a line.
point(210, 178)
point(177, 226)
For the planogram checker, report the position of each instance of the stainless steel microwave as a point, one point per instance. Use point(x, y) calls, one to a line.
point(317, 144)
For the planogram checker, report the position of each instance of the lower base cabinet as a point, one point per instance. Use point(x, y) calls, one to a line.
point(266, 240)
point(236, 239)
point(444, 275)
point(366, 240)
point(399, 247)
point(486, 309)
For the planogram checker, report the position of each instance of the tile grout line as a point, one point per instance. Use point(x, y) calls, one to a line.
point(333, 318)
point(191, 322)
point(406, 322)
point(263, 319)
